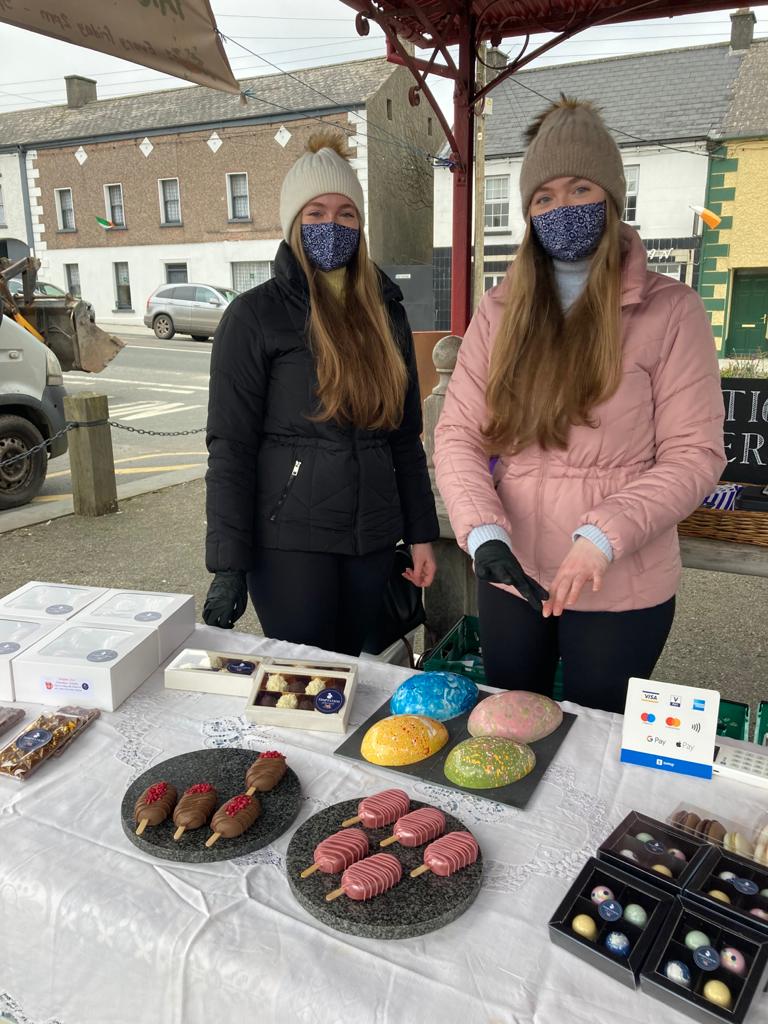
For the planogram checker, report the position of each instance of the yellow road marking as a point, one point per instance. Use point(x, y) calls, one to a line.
point(139, 458)
point(155, 469)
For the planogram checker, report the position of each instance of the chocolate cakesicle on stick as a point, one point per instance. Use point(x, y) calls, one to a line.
point(265, 772)
point(417, 828)
point(195, 807)
point(449, 854)
point(234, 817)
point(380, 809)
point(368, 878)
point(338, 851)
point(154, 805)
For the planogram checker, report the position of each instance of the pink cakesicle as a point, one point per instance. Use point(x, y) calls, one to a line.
point(381, 809)
point(338, 851)
point(449, 854)
point(369, 877)
point(417, 828)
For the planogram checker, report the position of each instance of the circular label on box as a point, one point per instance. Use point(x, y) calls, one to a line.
point(33, 740)
point(58, 609)
point(707, 958)
point(329, 701)
point(654, 846)
point(9, 647)
point(102, 654)
point(241, 668)
point(147, 616)
point(610, 910)
point(745, 886)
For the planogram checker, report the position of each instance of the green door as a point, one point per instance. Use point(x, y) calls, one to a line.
point(748, 332)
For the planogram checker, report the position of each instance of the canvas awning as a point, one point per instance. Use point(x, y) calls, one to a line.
point(178, 37)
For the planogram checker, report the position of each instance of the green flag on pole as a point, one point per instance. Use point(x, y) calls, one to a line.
point(104, 223)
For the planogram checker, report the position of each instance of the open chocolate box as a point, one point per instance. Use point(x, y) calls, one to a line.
point(664, 856)
point(619, 914)
point(212, 672)
point(289, 694)
point(679, 972)
point(729, 836)
point(742, 881)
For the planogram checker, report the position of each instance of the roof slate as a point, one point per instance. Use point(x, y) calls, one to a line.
point(748, 114)
point(667, 95)
point(343, 85)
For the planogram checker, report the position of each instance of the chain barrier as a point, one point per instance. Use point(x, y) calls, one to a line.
point(75, 425)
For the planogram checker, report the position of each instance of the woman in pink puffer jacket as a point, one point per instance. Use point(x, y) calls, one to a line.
point(597, 383)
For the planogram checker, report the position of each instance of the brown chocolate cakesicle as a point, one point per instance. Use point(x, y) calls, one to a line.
point(235, 816)
point(154, 805)
point(195, 807)
point(265, 772)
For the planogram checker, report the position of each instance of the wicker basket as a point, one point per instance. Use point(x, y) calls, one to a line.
point(736, 526)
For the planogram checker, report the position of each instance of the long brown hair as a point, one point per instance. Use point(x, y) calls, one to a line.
point(548, 370)
point(361, 373)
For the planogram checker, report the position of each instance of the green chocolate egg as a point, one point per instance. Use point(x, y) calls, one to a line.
point(486, 762)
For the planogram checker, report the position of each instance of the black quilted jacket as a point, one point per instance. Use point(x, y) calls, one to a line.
point(275, 478)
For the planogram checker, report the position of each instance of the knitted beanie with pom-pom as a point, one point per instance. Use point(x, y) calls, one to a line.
point(324, 167)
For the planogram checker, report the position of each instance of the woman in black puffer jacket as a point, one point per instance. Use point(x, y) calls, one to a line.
point(316, 468)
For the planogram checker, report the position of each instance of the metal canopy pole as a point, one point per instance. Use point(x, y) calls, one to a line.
point(463, 183)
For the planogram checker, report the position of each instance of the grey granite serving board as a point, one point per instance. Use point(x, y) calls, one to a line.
point(415, 906)
point(225, 769)
point(517, 794)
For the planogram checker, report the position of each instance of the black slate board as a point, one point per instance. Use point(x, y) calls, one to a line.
point(415, 906)
point(224, 768)
point(517, 794)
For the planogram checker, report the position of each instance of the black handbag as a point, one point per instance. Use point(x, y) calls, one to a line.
point(401, 611)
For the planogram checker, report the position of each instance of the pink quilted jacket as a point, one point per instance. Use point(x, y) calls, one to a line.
point(656, 452)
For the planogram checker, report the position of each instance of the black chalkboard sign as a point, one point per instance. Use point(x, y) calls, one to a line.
point(746, 429)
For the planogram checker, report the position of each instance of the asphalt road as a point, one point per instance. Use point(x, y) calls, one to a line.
point(151, 385)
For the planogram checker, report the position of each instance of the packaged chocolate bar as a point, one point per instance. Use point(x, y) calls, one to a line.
point(9, 717)
point(46, 737)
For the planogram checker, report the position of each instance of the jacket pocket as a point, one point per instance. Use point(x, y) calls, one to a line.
point(285, 492)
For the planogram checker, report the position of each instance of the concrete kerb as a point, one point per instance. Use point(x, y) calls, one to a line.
point(34, 513)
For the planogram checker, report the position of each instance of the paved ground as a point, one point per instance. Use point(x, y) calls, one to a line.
point(156, 540)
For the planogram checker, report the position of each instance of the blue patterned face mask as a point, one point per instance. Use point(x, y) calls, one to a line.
point(570, 233)
point(329, 245)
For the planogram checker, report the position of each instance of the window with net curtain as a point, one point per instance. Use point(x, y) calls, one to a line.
point(632, 176)
point(497, 201)
point(248, 274)
point(116, 211)
point(171, 200)
point(66, 209)
point(239, 206)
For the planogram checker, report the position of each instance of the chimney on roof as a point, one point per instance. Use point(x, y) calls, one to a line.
point(742, 28)
point(79, 91)
point(496, 61)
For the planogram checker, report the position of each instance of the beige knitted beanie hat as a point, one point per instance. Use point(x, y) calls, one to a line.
point(323, 168)
point(571, 139)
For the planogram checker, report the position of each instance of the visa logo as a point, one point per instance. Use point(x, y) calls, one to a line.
point(650, 695)
point(699, 704)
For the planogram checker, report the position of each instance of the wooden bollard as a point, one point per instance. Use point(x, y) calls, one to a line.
point(90, 455)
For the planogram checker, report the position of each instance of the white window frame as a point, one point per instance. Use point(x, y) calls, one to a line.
point(79, 293)
point(118, 307)
point(491, 280)
point(669, 268)
point(236, 263)
point(230, 197)
point(108, 203)
point(161, 197)
point(496, 202)
point(59, 210)
point(3, 222)
point(175, 263)
point(631, 192)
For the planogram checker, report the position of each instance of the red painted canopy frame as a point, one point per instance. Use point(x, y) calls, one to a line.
point(435, 25)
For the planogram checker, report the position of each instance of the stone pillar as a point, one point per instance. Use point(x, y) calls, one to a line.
point(453, 593)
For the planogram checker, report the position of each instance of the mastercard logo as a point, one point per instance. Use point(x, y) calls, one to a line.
point(647, 716)
point(673, 723)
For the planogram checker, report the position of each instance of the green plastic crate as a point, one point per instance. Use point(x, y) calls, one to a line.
point(761, 725)
point(459, 651)
point(733, 720)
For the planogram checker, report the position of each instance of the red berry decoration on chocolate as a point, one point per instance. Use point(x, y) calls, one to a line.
point(237, 803)
point(201, 787)
point(156, 792)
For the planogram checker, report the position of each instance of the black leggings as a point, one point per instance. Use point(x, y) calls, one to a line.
point(328, 601)
point(601, 651)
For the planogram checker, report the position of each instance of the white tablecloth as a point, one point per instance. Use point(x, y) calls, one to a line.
point(95, 932)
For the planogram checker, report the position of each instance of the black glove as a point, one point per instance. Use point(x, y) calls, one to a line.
point(227, 599)
point(495, 563)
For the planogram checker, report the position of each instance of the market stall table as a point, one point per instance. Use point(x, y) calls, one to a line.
point(96, 932)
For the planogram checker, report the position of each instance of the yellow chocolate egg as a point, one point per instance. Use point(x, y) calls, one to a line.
point(662, 869)
point(718, 894)
point(584, 926)
point(403, 739)
point(718, 993)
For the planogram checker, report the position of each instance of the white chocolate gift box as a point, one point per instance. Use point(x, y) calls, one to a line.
point(279, 679)
point(52, 602)
point(87, 665)
point(16, 635)
point(212, 672)
point(171, 617)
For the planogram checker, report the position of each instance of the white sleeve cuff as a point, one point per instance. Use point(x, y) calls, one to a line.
point(598, 538)
point(480, 534)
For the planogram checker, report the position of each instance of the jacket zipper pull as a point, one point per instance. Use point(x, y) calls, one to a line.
point(284, 495)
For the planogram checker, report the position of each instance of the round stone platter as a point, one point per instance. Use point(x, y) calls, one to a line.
point(225, 769)
point(415, 906)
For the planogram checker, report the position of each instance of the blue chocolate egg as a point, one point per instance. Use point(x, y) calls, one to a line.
point(439, 695)
point(678, 972)
point(618, 943)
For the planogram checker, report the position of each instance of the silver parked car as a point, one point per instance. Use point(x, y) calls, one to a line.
point(194, 309)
